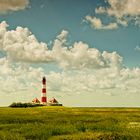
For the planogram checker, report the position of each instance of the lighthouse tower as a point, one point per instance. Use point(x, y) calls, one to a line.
point(43, 94)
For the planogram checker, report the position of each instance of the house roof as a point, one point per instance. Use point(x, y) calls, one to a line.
point(53, 100)
point(35, 100)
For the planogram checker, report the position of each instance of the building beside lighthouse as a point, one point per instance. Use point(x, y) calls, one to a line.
point(53, 102)
point(35, 101)
point(44, 100)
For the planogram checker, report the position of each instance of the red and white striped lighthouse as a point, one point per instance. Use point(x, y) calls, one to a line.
point(43, 94)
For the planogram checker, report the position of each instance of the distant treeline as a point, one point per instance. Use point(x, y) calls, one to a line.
point(19, 104)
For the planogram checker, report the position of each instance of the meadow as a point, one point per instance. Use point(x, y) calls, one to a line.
point(63, 123)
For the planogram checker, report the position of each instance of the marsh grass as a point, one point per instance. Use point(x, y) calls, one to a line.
point(42, 123)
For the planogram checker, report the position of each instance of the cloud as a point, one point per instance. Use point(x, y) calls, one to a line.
point(121, 8)
point(106, 80)
point(17, 77)
point(80, 55)
point(12, 5)
point(121, 12)
point(84, 69)
point(22, 45)
point(97, 24)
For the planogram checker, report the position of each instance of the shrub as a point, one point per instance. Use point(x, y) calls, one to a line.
point(19, 104)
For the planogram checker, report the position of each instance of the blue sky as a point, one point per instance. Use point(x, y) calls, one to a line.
point(97, 23)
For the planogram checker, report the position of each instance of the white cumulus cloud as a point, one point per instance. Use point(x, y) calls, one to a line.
point(12, 5)
point(123, 12)
point(22, 45)
point(84, 69)
point(16, 78)
point(121, 8)
point(80, 55)
point(106, 80)
point(97, 24)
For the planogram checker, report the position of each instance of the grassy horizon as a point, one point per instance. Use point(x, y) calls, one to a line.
point(69, 123)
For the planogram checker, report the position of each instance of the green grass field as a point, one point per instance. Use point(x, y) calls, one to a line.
point(60, 123)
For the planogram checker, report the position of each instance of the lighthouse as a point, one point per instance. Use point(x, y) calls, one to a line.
point(43, 94)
